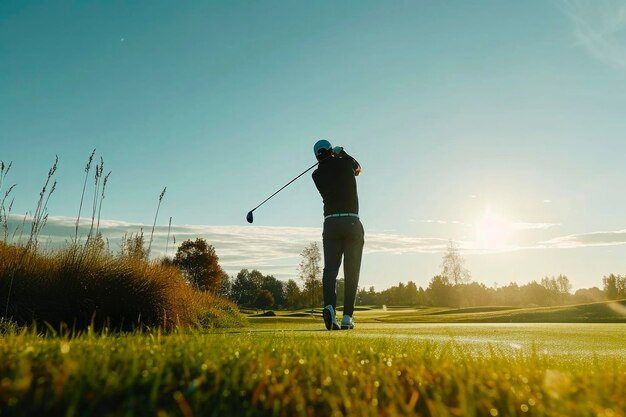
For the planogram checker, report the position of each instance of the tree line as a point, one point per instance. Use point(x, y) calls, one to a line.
point(453, 287)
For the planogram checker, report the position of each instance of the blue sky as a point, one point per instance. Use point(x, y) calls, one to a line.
point(499, 124)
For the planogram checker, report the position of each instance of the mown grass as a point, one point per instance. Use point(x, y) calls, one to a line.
point(312, 374)
point(601, 312)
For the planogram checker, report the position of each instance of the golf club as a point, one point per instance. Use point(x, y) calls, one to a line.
point(250, 217)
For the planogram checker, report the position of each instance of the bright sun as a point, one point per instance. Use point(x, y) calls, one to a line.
point(493, 231)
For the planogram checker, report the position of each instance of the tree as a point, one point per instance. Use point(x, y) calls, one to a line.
point(341, 289)
point(244, 290)
point(293, 295)
point(411, 297)
point(311, 272)
point(534, 293)
point(452, 268)
point(275, 287)
point(440, 292)
point(589, 295)
point(199, 264)
point(621, 286)
point(264, 300)
point(225, 287)
point(610, 286)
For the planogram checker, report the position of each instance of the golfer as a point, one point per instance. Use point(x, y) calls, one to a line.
point(343, 231)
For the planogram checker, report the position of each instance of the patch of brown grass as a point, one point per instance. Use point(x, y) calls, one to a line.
point(82, 287)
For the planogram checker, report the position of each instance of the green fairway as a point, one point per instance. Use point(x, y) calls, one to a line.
point(551, 339)
point(299, 369)
point(600, 312)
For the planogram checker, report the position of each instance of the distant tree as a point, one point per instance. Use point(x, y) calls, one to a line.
point(509, 295)
point(275, 287)
point(199, 264)
point(411, 296)
point(340, 288)
point(312, 293)
point(621, 286)
point(563, 284)
point(264, 299)
point(534, 293)
point(292, 294)
point(225, 287)
point(452, 265)
point(243, 290)
point(610, 286)
point(257, 278)
point(369, 297)
point(589, 295)
point(311, 272)
point(440, 292)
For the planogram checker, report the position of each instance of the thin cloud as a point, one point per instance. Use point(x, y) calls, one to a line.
point(534, 226)
point(600, 27)
point(582, 240)
point(276, 250)
point(273, 250)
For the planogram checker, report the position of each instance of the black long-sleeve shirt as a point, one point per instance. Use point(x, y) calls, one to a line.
point(336, 182)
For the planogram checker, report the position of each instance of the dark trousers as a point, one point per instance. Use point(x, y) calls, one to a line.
point(343, 237)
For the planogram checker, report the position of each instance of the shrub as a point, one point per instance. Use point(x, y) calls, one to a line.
point(80, 287)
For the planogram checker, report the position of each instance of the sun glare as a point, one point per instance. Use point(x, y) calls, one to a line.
point(493, 231)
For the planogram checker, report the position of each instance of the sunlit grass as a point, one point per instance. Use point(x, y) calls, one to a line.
point(81, 287)
point(315, 373)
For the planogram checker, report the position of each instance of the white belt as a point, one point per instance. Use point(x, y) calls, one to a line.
point(341, 215)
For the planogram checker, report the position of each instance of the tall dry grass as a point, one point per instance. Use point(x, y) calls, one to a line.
point(97, 288)
point(85, 283)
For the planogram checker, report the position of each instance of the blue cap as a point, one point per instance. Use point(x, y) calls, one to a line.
point(321, 145)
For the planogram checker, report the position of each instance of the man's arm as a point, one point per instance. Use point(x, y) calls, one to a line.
point(341, 153)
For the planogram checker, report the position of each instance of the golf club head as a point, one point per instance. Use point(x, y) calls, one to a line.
point(249, 217)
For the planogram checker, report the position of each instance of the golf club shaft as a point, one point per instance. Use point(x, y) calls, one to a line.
point(307, 170)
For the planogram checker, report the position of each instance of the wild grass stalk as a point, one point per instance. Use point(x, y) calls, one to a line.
point(20, 228)
point(82, 196)
point(40, 218)
point(98, 175)
point(104, 186)
point(40, 210)
point(5, 226)
point(155, 219)
point(169, 228)
point(4, 212)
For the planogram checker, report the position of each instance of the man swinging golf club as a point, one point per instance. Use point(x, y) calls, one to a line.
point(343, 231)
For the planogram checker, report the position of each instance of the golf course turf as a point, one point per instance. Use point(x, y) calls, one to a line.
point(290, 367)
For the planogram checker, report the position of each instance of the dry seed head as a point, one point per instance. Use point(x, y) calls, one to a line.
point(54, 166)
point(88, 166)
point(9, 190)
point(104, 183)
point(162, 194)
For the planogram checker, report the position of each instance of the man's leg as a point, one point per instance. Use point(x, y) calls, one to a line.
point(333, 249)
point(353, 253)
